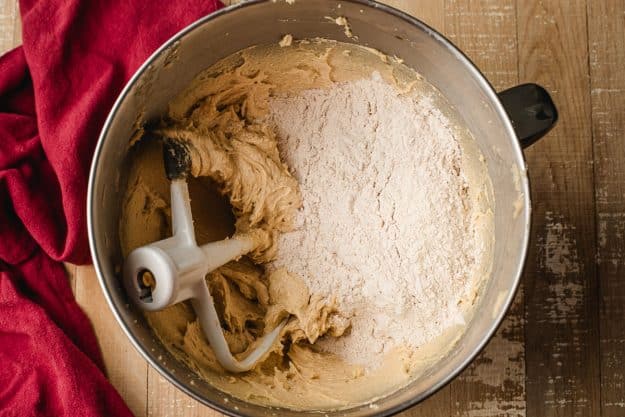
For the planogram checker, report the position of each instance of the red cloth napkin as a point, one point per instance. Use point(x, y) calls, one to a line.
point(55, 92)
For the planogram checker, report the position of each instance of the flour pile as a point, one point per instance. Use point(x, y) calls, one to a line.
point(386, 224)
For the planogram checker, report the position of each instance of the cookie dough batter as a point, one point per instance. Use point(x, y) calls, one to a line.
point(239, 185)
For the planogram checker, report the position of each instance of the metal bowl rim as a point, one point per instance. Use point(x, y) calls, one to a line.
point(419, 25)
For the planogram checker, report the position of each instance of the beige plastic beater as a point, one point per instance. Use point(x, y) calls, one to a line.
point(173, 270)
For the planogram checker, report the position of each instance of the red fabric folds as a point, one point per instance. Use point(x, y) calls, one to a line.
point(55, 92)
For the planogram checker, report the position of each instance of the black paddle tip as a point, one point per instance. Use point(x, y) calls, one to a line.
point(176, 158)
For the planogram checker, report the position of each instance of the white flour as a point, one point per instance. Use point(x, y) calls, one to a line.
point(386, 223)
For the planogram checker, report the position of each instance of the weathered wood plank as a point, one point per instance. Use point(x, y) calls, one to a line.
point(562, 351)
point(126, 369)
point(606, 29)
point(430, 12)
point(9, 16)
point(17, 30)
point(494, 384)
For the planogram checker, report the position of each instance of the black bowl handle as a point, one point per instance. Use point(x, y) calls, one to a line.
point(531, 111)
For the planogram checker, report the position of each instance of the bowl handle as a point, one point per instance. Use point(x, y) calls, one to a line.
point(531, 111)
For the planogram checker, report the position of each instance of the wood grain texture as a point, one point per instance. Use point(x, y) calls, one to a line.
point(431, 12)
point(494, 384)
point(562, 350)
point(9, 21)
point(606, 29)
point(17, 30)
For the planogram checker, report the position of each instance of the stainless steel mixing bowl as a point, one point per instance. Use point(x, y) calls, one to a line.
point(218, 35)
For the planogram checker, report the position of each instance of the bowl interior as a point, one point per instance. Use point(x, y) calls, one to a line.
point(194, 49)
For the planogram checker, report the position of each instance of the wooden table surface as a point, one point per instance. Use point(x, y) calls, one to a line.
point(561, 348)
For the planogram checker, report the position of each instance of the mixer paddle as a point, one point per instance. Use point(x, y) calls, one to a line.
point(172, 270)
